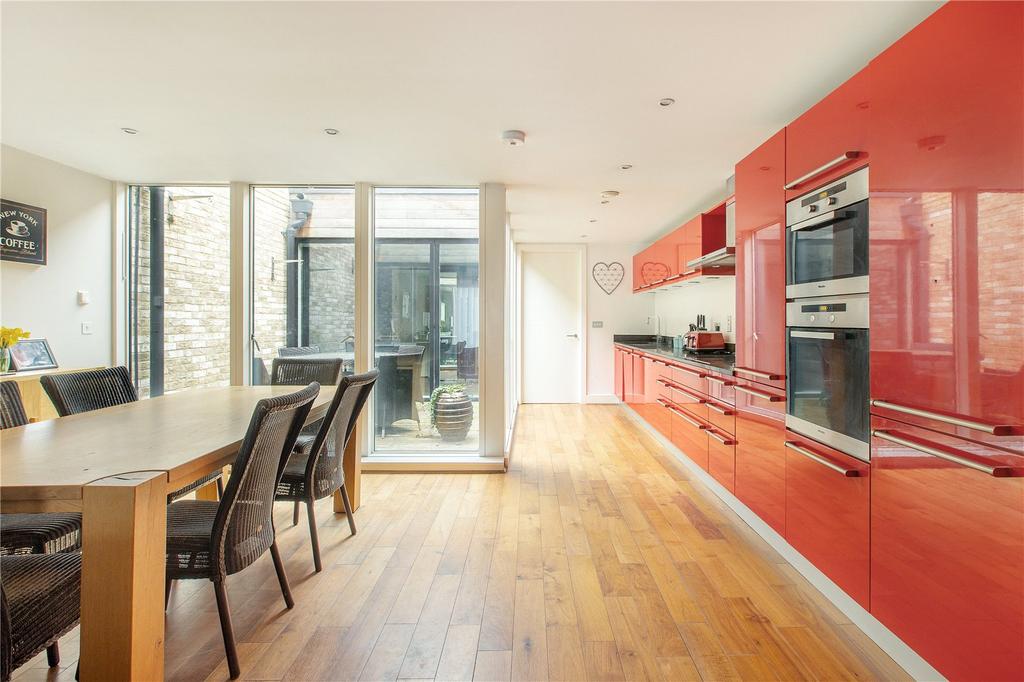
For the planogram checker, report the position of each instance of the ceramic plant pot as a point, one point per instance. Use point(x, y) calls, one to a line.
point(453, 416)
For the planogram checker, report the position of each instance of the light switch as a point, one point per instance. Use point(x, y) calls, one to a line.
point(728, 323)
point(84, 298)
point(86, 328)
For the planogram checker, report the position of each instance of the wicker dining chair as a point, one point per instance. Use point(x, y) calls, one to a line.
point(301, 371)
point(94, 389)
point(292, 351)
point(212, 540)
point(314, 470)
point(40, 601)
point(33, 533)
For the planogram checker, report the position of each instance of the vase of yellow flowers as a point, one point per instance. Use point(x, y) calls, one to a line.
point(8, 337)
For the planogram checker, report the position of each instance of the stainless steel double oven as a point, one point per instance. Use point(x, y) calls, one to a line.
point(827, 323)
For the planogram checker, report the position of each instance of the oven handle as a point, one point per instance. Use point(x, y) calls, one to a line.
point(813, 335)
point(758, 394)
point(849, 473)
point(821, 169)
point(997, 470)
point(823, 220)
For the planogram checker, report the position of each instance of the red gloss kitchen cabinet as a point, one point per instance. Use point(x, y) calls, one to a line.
point(760, 451)
point(689, 435)
point(761, 264)
point(701, 235)
point(627, 376)
point(947, 223)
point(947, 549)
point(618, 354)
point(828, 515)
point(722, 457)
point(637, 387)
point(830, 139)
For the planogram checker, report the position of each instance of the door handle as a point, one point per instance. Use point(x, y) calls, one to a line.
point(759, 374)
point(849, 473)
point(994, 429)
point(821, 169)
point(758, 394)
point(997, 470)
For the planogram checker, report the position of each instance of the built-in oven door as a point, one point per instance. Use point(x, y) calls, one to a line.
point(827, 254)
point(827, 392)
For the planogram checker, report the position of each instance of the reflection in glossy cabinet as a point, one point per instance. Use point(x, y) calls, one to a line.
point(722, 458)
point(761, 263)
point(760, 454)
point(947, 552)
point(947, 216)
point(831, 137)
point(827, 512)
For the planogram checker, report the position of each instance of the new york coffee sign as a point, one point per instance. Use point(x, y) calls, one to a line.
point(22, 233)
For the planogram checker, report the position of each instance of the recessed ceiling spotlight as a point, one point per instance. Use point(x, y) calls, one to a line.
point(625, 166)
point(610, 194)
point(130, 131)
point(593, 220)
point(605, 201)
point(666, 102)
point(514, 138)
point(331, 131)
point(584, 236)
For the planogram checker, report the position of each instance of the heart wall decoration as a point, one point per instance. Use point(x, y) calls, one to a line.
point(608, 276)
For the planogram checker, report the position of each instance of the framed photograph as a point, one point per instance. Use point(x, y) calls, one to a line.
point(32, 354)
point(22, 233)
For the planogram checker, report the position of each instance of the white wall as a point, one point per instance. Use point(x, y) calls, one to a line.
point(679, 306)
point(493, 261)
point(623, 312)
point(43, 298)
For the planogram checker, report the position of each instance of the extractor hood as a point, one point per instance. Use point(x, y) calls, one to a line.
point(725, 256)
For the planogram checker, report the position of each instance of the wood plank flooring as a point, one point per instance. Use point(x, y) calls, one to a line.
point(595, 557)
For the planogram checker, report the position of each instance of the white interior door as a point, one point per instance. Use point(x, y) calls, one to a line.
point(551, 333)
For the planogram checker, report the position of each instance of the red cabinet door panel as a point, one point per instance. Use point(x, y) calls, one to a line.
point(694, 403)
point(722, 416)
point(827, 512)
point(722, 403)
point(761, 264)
point(760, 453)
point(821, 137)
point(722, 458)
point(947, 551)
point(619, 353)
point(690, 377)
point(947, 217)
point(627, 377)
point(637, 376)
point(689, 436)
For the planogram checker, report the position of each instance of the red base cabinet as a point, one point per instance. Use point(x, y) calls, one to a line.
point(722, 458)
point(947, 550)
point(760, 453)
point(828, 496)
point(689, 436)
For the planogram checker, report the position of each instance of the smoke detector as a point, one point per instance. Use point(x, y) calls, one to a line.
point(514, 138)
point(609, 194)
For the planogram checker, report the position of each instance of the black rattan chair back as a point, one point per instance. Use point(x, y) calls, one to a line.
point(324, 472)
point(301, 371)
point(244, 527)
point(12, 410)
point(92, 389)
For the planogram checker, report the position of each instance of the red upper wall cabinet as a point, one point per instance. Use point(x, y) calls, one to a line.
point(830, 139)
point(761, 264)
point(702, 235)
point(947, 222)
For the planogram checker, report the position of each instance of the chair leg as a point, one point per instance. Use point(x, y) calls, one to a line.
point(53, 655)
point(220, 487)
point(220, 589)
point(282, 577)
point(167, 592)
point(295, 514)
point(348, 509)
point(313, 537)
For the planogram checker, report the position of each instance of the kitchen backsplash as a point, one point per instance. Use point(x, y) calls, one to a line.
point(678, 307)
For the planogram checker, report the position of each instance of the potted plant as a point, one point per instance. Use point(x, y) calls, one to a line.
point(8, 337)
point(451, 411)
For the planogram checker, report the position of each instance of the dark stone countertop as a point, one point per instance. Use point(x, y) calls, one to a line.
point(722, 364)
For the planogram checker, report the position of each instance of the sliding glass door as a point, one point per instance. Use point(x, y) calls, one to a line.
point(178, 265)
point(426, 320)
point(303, 275)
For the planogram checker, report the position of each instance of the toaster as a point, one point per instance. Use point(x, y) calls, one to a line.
point(700, 340)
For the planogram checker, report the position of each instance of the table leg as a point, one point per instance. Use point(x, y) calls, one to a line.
point(350, 463)
point(124, 544)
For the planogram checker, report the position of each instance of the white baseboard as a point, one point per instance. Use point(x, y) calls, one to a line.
point(897, 649)
point(432, 464)
point(602, 398)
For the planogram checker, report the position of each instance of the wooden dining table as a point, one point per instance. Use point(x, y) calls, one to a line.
point(116, 466)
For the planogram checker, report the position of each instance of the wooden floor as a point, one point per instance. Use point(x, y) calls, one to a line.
point(595, 557)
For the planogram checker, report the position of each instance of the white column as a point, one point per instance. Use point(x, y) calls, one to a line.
point(493, 261)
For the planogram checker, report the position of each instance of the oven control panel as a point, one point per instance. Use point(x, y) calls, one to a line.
point(838, 312)
point(849, 190)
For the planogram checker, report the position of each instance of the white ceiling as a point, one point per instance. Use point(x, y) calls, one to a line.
point(421, 92)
